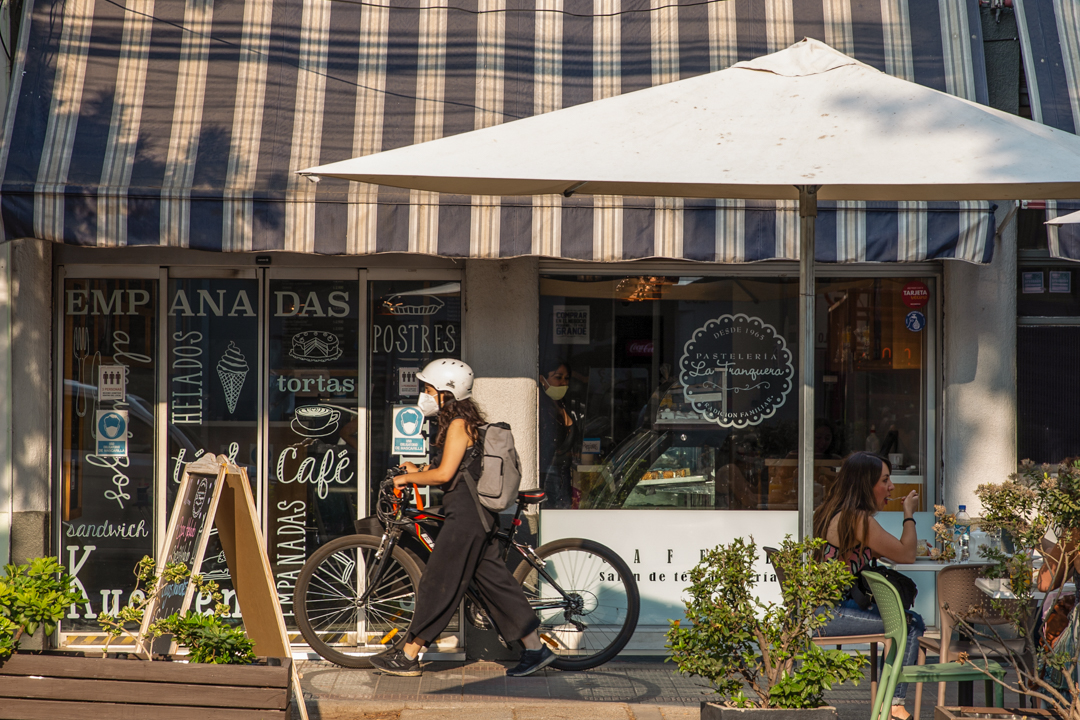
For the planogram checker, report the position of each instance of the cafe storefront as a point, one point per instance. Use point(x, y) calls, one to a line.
point(291, 373)
point(254, 314)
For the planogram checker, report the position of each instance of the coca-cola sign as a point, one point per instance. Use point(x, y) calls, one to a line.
point(639, 348)
point(736, 370)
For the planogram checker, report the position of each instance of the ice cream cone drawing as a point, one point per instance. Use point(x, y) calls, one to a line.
point(232, 369)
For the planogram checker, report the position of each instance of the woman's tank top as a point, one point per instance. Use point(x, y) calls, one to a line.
point(857, 559)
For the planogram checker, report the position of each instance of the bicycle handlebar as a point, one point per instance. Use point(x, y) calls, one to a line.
point(393, 500)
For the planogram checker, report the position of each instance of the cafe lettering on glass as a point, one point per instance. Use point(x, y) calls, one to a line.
point(212, 385)
point(313, 422)
point(737, 370)
point(412, 323)
point(107, 502)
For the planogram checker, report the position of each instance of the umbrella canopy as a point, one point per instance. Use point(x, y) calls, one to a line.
point(807, 115)
point(1070, 219)
point(808, 122)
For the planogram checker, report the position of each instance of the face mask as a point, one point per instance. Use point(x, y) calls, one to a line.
point(556, 392)
point(428, 405)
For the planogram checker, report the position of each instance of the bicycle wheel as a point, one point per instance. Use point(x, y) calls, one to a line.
point(327, 599)
point(602, 610)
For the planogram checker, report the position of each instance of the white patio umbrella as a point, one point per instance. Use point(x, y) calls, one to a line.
point(805, 122)
point(1069, 219)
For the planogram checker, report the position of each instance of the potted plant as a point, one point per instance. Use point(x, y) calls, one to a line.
point(758, 656)
point(230, 680)
point(35, 594)
point(944, 526)
point(207, 637)
point(1028, 506)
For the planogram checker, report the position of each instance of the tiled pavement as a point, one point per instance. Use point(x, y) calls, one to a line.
point(625, 689)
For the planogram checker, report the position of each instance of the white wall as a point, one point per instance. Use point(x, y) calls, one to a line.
point(502, 312)
point(979, 415)
point(31, 395)
point(5, 404)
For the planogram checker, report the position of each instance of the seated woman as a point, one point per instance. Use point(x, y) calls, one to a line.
point(846, 520)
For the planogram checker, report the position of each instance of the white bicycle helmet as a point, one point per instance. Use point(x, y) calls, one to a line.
point(448, 375)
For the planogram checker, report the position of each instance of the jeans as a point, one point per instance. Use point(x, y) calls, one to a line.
point(850, 619)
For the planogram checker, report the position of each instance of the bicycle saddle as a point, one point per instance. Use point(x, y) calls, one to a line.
point(530, 496)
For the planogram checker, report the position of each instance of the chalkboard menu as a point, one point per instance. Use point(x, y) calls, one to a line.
point(189, 528)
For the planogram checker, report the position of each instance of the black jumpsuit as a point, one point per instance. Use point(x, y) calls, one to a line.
point(464, 551)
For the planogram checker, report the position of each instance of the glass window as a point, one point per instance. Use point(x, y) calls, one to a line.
point(1047, 290)
point(1048, 393)
point(313, 423)
point(870, 379)
point(213, 387)
point(666, 392)
point(412, 323)
point(679, 392)
point(106, 489)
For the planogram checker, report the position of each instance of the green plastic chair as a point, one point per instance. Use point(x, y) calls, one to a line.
point(892, 614)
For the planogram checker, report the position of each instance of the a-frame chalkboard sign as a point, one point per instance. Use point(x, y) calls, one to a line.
point(214, 492)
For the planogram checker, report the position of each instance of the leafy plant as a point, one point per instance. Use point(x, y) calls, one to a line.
point(740, 643)
point(33, 595)
point(944, 524)
point(1027, 506)
point(207, 637)
point(209, 640)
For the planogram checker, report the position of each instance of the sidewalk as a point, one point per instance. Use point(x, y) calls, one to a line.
point(624, 689)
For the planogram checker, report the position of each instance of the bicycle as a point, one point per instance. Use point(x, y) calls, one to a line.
point(357, 592)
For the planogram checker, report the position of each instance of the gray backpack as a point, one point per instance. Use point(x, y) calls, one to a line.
point(500, 471)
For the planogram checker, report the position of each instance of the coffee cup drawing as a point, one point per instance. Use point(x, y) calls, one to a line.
point(314, 421)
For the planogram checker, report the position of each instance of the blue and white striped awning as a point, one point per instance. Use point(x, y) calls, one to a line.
point(1050, 46)
point(181, 122)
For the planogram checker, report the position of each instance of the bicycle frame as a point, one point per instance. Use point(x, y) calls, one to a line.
point(406, 515)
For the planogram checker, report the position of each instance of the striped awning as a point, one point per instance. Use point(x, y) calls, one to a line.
point(1050, 46)
point(181, 122)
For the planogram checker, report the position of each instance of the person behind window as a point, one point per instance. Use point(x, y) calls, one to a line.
point(466, 551)
point(846, 520)
point(560, 435)
point(738, 483)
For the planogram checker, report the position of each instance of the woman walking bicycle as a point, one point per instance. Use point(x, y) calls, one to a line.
point(466, 551)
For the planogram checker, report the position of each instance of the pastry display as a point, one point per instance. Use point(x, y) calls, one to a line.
point(667, 474)
point(315, 346)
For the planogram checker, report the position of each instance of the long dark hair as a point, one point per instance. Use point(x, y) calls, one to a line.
point(851, 496)
point(453, 409)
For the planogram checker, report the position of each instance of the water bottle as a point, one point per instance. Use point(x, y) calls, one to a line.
point(873, 445)
point(962, 532)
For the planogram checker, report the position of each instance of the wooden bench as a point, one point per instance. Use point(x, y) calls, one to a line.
point(57, 687)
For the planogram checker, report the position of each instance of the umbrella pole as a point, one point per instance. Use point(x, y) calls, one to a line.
point(807, 222)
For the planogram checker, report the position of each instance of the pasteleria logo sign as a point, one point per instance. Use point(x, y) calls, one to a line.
point(736, 370)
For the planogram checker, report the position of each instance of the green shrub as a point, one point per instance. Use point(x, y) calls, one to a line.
point(33, 595)
point(207, 637)
point(741, 644)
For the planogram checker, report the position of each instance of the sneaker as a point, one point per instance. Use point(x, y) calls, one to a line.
point(531, 661)
point(396, 662)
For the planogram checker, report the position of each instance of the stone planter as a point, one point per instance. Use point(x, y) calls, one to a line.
point(712, 711)
point(57, 687)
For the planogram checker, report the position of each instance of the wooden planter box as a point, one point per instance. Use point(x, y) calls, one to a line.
point(57, 687)
point(942, 712)
point(712, 711)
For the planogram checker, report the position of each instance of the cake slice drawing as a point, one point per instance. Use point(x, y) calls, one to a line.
point(232, 370)
point(315, 346)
